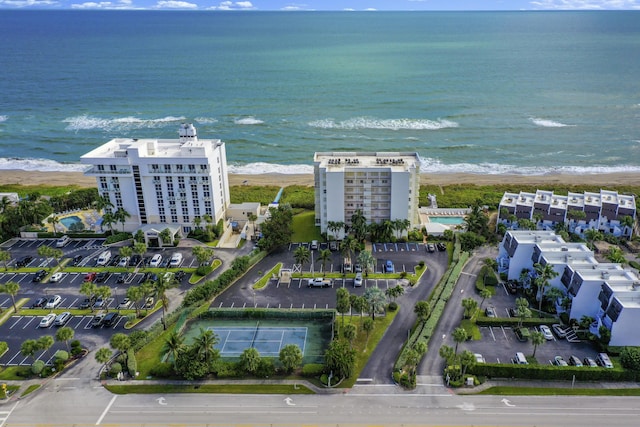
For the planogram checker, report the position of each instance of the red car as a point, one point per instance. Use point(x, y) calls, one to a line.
point(90, 277)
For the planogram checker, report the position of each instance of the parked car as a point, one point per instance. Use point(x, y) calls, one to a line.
point(87, 302)
point(575, 361)
point(176, 260)
point(149, 302)
point(47, 320)
point(388, 267)
point(134, 260)
point(101, 277)
point(479, 358)
point(40, 302)
point(76, 260)
point(357, 282)
point(179, 275)
point(56, 277)
point(319, 282)
point(110, 319)
point(314, 245)
point(431, 248)
point(546, 332)
point(490, 312)
point(522, 334)
point(603, 360)
point(124, 261)
point(115, 260)
point(155, 261)
point(24, 261)
point(40, 274)
point(333, 246)
point(53, 302)
point(90, 277)
point(97, 320)
point(125, 304)
point(559, 361)
point(441, 247)
point(62, 241)
point(99, 303)
point(589, 362)
point(357, 268)
point(165, 263)
point(512, 286)
point(63, 318)
point(560, 330)
point(513, 312)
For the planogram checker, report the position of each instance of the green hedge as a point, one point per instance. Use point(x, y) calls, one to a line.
point(312, 370)
point(550, 372)
point(513, 321)
point(3, 347)
point(132, 363)
point(266, 313)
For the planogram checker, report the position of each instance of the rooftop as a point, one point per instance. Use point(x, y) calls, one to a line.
point(340, 160)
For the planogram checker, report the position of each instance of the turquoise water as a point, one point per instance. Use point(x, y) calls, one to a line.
point(489, 92)
point(70, 220)
point(449, 220)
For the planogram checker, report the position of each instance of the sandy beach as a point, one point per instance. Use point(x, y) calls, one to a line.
point(605, 180)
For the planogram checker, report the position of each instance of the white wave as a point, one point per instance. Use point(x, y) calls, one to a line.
point(248, 121)
point(86, 122)
point(261, 167)
point(205, 120)
point(548, 123)
point(4, 118)
point(42, 165)
point(388, 124)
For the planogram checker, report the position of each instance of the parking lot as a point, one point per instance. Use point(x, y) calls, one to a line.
point(499, 344)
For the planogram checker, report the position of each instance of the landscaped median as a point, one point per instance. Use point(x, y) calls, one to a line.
point(226, 387)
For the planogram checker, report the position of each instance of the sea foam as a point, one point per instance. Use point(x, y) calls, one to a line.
point(384, 124)
point(248, 121)
point(548, 123)
point(4, 118)
point(42, 165)
point(86, 122)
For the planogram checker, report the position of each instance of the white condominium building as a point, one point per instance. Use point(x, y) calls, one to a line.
point(383, 186)
point(163, 181)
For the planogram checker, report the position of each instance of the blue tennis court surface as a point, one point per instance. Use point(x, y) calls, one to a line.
point(267, 340)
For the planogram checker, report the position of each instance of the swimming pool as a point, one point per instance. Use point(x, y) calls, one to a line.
point(449, 220)
point(70, 220)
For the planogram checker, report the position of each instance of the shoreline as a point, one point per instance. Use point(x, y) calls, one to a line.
point(30, 178)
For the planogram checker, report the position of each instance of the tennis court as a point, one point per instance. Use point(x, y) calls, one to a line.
point(268, 340)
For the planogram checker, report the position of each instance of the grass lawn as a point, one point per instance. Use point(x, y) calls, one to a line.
point(210, 388)
point(15, 373)
point(151, 355)
point(267, 276)
point(304, 227)
point(472, 329)
point(543, 391)
point(30, 389)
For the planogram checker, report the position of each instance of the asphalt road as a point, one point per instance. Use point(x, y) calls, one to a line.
point(72, 402)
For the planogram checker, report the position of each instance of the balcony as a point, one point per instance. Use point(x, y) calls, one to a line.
point(94, 171)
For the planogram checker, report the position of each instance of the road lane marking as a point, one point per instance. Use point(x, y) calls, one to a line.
point(104, 413)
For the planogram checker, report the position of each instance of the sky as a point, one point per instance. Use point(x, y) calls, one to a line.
point(326, 5)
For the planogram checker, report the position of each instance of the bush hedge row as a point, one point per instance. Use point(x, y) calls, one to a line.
point(3, 347)
point(265, 313)
point(550, 372)
point(513, 321)
point(132, 363)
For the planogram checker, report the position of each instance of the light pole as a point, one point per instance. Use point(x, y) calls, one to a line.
point(115, 290)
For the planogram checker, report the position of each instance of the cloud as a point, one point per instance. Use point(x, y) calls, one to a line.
point(120, 5)
point(28, 3)
point(175, 4)
point(230, 5)
point(294, 7)
point(586, 4)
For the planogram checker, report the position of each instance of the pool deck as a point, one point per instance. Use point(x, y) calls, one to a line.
point(436, 228)
point(90, 218)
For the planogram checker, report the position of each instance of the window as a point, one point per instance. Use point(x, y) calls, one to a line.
point(203, 168)
point(174, 218)
point(192, 168)
point(179, 168)
point(101, 168)
point(112, 168)
point(167, 168)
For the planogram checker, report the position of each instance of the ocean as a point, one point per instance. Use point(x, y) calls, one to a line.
point(478, 92)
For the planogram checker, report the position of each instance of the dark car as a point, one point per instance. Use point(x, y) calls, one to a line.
point(114, 261)
point(110, 319)
point(102, 276)
point(513, 312)
point(39, 275)
point(165, 262)
point(76, 260)
point(511, 286)
point(179, 275)
point(134, 260)
point(24, 261)
point(40, 302)
point(148, 277)
point(441, 247)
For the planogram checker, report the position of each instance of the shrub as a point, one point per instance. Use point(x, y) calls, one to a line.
point(630, 358)
point(266, 368)
point(226, 369)
point(118, 237)
point(3, 347)
point(37, 367)
point(61, 355)
point(393, 306)
point(634, 264)
point(204, 270)
point(162, 370)
point(132, 364)
point(116, 368)
point(312, 370)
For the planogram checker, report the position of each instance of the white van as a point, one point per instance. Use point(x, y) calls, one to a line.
point(176, 260)
point(155, 261)
point(104, 258)
point(62, 241)
point(603, 360)
point(520, 359)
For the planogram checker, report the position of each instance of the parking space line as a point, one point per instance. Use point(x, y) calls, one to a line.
point(79, 321)
point(491, 331)
point(504, 332)
point(18, 319)
point(29, 320)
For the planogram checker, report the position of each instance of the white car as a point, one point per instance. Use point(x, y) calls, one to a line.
point(124, 261)
point(53, 302)
point(47, 320)
point(357, 282)
point(56, 277)
point(546, 331)
point(560, 331)
point(479, 358)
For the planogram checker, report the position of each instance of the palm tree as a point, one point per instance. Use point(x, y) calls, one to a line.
point(135, 294)
point(375, 300)
point(302, 254)
point(161, 285)
point(29, 348)
point(459, 336)
point(447, 354)
point(203, 345)
point(250, 360)
point(592, 235)
point(627, 222)
point(166, 236)
point(45, 342)
point(348, 246)
point(11, 288)
point(367, 261)
point(4, 257)
point(173, 345)
point(88, 289)
point(422, 310)
point(65, 334)
point(467, 360)
point(615, 255)
point(470, 307)
point(197, 221)
point(324, 256)
point(121, 216)
point(4, 203)
point(358, 225)
point(252, 219)
point(108, 219)
point(485, 294)
point(544, 274)
point(103, 203)
point(54, 221)
point(537, 338)
point(367, 327)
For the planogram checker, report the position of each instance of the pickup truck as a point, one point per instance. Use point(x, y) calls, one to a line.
point(319, 282)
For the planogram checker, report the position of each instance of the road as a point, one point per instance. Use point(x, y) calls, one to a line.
point(78, 402)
